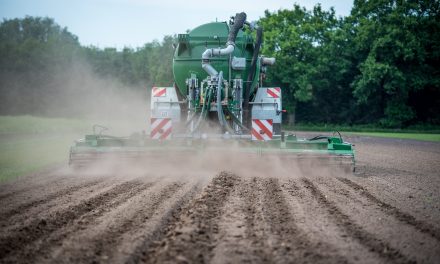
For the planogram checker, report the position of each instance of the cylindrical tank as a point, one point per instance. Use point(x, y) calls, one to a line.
point(188, 53)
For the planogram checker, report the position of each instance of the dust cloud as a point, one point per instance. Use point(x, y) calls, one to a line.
point(107, 101)
point(125, 110)
point(177, 164)
point(77, 90)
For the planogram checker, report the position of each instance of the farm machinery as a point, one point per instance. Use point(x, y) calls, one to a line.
point(218, 102)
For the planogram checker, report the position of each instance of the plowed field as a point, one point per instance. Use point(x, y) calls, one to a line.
point(387, 212)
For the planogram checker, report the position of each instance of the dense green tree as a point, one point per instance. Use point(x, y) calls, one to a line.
point(397, 51)
point(298, 39)
point(377, 65)
point(44, 70)
point(30, 50)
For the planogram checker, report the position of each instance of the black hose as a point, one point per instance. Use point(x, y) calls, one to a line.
point(340, 137)
point(220, 114)
point(239, 20)
point(251, 75)
point(325, 137)
point(317, 138)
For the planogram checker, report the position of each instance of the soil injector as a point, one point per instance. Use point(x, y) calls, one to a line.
point(219, 102)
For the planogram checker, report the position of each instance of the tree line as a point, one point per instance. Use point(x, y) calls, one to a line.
point(45, 71)
point(376, 66)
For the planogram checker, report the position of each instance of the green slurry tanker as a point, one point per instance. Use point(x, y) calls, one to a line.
point(218, 101)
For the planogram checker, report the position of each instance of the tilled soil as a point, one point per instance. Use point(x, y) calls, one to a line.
point(387, 212)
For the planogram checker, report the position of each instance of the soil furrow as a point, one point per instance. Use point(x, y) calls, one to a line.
point(103, 246)
point(7, 195)
point(29, 189)
point(275, 211)
point(324, 233)
point(42, 228)
point(40, 179)
point(166, 223)
point(24, 207)
point(287, 241)
point(393, 211)
point(254, 220)
point(382, 248)
point(193, 237)
point(242, 238)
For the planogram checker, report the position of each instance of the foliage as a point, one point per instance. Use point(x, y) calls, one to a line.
point(45, 71)
point(397, 43)
point(296, 38)
point(376, 66)
point(146, 66)
point(31, 49)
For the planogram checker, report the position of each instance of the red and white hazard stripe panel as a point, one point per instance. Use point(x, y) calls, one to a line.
point(274, 92)
point(159, 91)
point(161, 128)
point(262, 129)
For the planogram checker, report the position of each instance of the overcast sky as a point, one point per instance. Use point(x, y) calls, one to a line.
point(119, 23)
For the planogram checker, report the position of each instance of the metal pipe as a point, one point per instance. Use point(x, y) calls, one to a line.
point(239, 21)
point(209, 69)
point(267, 61)
point(207, 54)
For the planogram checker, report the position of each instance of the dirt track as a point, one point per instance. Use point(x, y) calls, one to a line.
point(388, 212)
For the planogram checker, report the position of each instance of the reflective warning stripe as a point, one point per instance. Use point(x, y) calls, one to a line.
point(262, 129)
point(274, 92)
point(159, 91)
point(161, 128)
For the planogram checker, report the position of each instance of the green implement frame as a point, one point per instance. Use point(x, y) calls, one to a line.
point(95, 147)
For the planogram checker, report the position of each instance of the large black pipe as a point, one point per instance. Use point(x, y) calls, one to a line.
point(239, 20)
point(251, 76)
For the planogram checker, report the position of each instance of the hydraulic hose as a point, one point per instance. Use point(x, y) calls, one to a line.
point(220, 114)
point(205, 108)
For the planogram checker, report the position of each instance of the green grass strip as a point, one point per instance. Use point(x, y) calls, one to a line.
point(24, 155)
point(40, 125)
point(420, 136)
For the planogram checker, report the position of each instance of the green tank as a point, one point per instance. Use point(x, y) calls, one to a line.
point(188, 53)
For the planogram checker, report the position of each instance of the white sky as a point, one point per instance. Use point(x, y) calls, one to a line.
point(119, 23)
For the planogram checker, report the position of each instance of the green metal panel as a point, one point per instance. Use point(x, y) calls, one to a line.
point(188, 54)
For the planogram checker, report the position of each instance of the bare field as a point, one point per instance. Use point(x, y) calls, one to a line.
point(387, 212)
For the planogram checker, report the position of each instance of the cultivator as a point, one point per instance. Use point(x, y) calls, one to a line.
point(218, 103)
